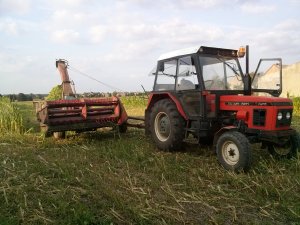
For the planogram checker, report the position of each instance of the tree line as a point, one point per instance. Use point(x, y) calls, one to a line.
point(30, 97)
point(24, 97)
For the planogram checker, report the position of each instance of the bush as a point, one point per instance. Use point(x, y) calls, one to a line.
point(55, 93)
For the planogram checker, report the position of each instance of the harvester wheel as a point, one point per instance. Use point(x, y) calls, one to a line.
point(166, 125)
point(59, 135)
point(287, 150)
point(234, 152)
point(123, 128)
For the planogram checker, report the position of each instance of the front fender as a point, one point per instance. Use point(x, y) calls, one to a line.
point(222, 131)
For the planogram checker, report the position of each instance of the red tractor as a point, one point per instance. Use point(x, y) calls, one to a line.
point(203, 92)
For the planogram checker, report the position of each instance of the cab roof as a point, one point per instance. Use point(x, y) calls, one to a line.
point(202, 49)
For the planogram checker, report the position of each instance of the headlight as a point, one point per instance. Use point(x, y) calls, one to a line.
point(288, 115)
point(279, 116)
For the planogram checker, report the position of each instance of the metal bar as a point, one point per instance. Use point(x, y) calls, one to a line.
point(136, 118)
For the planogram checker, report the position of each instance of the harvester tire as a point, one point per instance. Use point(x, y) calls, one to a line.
point(287, 150)
point(166, 125)
point(123, 128)
point(234, 151)
point(59, 135)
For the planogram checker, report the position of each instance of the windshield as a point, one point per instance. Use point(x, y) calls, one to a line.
point(221, 73)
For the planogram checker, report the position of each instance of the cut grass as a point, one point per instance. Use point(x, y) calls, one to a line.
point(96, 178)
point(99, 178)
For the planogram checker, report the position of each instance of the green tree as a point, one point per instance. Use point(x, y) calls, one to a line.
point(55, 93)
point(21, 97)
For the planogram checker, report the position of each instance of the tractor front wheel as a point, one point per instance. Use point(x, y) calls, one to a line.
point(166, 125)
point(233, 151)
point(287, 150)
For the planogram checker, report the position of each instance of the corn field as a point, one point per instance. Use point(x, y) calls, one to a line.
point(135, 101)
point(10, 117)
point(296, 103)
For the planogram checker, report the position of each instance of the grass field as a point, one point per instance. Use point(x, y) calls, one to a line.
point(101, 178)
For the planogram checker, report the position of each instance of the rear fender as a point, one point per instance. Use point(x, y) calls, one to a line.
point(166, 95)
point(155, 97)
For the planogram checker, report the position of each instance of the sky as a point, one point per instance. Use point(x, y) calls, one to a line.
point(118, 42)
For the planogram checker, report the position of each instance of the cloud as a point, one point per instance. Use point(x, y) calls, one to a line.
point(63, 18)
point(288, 25)
point(15, 6)
point(9, 27)
point(15, 27)
point(65, 36)
point(257, 8)
point(279, 40)
point(141, 39)
point(68, 4)
point(180, 4)
point(15, 63)
point(205, 4)
point(98, 33)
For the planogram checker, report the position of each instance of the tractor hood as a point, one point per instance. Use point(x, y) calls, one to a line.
point(228, 102)
point(258, 112)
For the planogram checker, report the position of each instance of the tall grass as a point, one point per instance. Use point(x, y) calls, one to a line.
point(296, 103)
point(135, 105)
point(11, 120)
point(135, 101)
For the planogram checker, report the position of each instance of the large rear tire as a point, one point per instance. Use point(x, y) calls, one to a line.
point(234, 152)
point(287, 150)
point(167, 125)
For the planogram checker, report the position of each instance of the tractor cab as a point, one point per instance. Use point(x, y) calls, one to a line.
point(201, 68)
point(195, 75)
point(216, 69)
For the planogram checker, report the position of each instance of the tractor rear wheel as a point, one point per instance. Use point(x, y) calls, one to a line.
point(234, 152)
point(287, 149)
point(166, 125)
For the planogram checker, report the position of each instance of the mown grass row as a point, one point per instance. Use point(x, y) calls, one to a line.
point(98, 178)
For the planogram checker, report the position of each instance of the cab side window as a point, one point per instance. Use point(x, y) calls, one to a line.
point(187, 77)
point(166, 76)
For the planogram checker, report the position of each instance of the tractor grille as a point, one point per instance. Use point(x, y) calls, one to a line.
point(259, 117)
point(284, 121)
